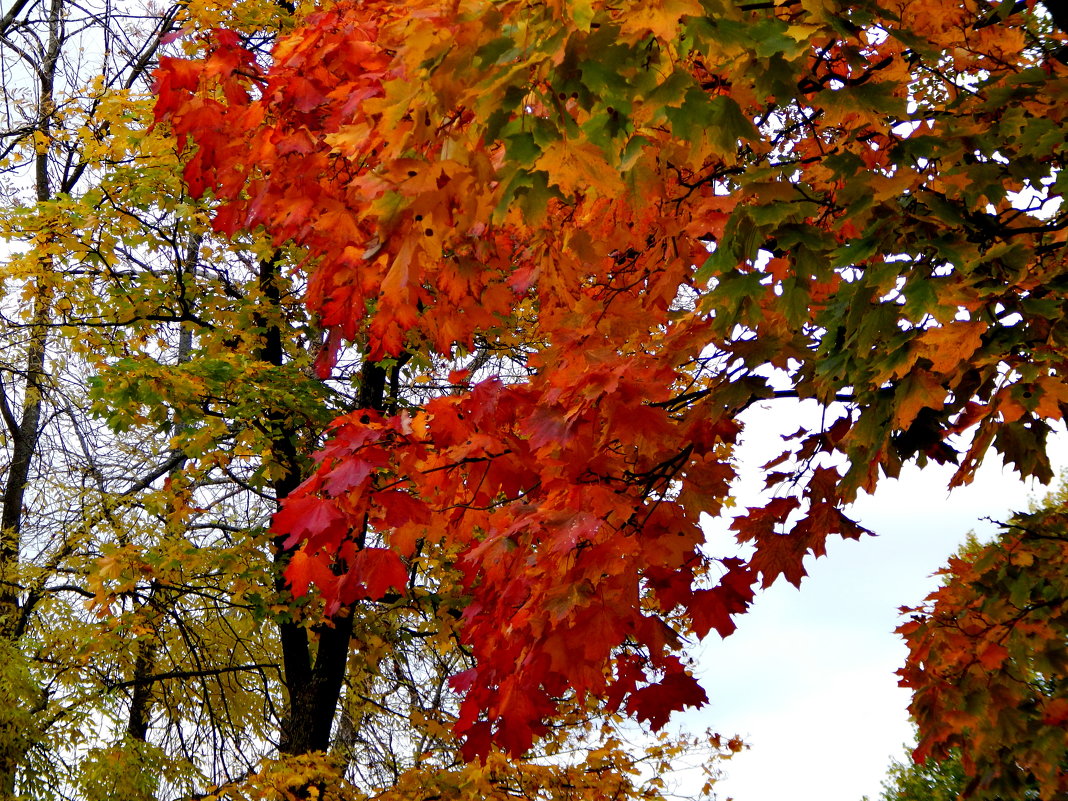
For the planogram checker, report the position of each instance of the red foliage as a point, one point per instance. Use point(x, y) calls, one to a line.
point(547, 180)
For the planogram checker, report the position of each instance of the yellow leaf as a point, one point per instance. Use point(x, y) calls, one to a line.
point(661, 19)
point(579, 167)
point(947, 346)
point(802, 33)
point(920, 389)
point(1022, 559)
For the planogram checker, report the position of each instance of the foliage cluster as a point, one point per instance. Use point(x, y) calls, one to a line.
point(158, 396)
point(686, 208)
point(989, 661)
point(512, 271)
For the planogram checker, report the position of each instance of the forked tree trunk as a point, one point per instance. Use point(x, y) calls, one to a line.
point(313, 683)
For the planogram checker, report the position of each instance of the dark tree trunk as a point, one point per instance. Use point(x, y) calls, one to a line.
point(313, 683)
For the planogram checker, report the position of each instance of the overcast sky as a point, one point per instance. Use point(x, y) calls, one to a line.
point(808, 679)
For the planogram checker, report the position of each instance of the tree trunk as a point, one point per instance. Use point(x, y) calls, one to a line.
point(24, 428)
point(313, 683)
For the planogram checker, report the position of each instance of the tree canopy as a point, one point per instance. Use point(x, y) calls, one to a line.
point(157, 396)
point(934, 780)
point(989, 659)
point(660, 213)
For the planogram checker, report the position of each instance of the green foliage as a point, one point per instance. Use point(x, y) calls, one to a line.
point(941, 780)
point(127, 771)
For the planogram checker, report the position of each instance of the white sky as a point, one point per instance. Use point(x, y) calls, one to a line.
point(808, 678)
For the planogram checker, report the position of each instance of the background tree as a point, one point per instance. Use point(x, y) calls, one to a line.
point(988, 661)
point(51, 465)
point(934, 780)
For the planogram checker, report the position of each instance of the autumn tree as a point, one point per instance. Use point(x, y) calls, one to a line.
point(664, 212)
point(50, 459)
point(549, 253)
point(159, 397)
point(988, 661)
point(157, 524)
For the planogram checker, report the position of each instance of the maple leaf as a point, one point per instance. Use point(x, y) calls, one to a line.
point(714, 608)
point(306, 517)
point(304, 570)
point(921, 389)
point(949, 345)
point(778, 553)
point(346, 476)
point(654, 702)
point(579, 167)
point(372, 573)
